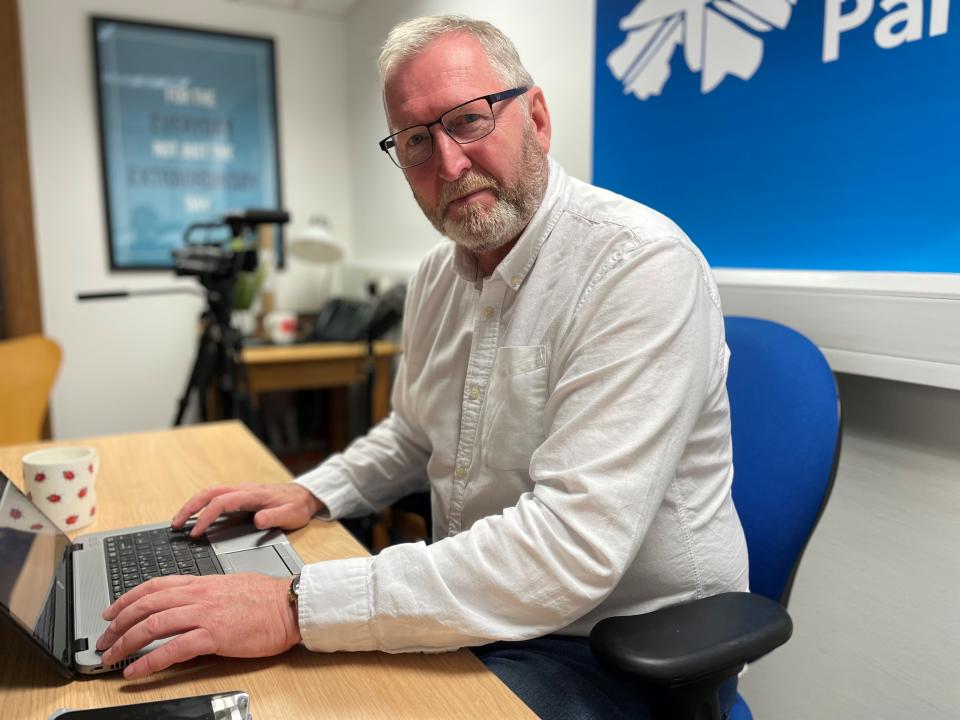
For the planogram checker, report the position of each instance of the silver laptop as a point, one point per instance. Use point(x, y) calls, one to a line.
point(54, 590)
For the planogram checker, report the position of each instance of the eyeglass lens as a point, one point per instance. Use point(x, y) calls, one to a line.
point(465, 124)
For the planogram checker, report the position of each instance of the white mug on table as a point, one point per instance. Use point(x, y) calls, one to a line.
point(281, 326)
point(61, 482)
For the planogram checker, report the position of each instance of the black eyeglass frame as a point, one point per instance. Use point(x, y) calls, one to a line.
point(388, 142)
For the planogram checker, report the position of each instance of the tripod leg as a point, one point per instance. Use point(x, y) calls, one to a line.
point(191, 385)
point(206, 377)
point(199, 378)
point(236, 385)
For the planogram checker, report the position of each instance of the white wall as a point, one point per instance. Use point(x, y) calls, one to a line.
point(125, 361)
point(875, 601)
point(555, 40)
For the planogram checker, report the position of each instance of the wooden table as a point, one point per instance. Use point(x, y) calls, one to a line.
point(321, 365)
point(145, 478)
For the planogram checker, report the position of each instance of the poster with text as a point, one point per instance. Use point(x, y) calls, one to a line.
point(188, 130)
point(787, 134)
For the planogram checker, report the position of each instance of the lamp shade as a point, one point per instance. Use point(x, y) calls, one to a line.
point(316, 244)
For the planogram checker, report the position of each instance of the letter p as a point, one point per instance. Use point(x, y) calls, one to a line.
point(835, 22)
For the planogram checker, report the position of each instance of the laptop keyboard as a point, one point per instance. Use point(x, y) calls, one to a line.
point(137, 557)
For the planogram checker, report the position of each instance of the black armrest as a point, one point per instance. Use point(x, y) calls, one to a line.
point(708, 638)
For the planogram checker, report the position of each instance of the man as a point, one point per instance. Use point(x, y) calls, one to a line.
point(562, 393)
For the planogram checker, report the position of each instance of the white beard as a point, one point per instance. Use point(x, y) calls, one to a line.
point(481, 229)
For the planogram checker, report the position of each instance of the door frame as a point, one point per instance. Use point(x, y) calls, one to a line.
point(20, 312)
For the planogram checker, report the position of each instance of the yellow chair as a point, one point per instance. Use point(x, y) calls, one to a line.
point(28, 368)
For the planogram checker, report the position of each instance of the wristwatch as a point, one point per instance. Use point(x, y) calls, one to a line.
point(293, 592)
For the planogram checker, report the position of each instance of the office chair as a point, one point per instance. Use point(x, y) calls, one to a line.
point(28, 368)
point(786, 426)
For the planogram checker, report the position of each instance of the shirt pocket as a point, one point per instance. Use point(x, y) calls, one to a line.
point(513, 422)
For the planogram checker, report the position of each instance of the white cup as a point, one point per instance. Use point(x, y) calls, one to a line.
point(281, 326)
point(62, 483)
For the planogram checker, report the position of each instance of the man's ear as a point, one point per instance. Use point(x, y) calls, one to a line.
point(540, 115)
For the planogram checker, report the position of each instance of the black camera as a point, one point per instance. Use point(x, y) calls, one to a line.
point(214, 260)
point(220, 261)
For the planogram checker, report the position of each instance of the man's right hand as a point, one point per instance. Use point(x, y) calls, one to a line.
point(289, 506)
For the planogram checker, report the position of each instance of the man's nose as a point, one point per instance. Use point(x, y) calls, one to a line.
point(452, 161)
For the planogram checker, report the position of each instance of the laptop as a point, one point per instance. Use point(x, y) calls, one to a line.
point(54, 590)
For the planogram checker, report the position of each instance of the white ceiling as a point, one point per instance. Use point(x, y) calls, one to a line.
point(328, 8)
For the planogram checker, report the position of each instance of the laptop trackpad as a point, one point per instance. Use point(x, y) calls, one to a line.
point(258, 560)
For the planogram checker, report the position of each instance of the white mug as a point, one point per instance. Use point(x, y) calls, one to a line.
point(62, 483)
point(281, 326)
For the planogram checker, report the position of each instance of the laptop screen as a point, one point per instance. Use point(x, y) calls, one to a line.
point(33, 554)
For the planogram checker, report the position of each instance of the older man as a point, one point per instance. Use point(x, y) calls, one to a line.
point(562, 394)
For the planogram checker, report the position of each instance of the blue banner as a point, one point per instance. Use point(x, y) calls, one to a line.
point(813, 134)
point(188, 132)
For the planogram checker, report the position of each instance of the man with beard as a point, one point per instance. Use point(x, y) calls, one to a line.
point(561, 393)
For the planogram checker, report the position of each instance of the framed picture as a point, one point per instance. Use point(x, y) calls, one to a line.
point(188, 132)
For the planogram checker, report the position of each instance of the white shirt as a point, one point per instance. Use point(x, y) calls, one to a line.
point(569, 414)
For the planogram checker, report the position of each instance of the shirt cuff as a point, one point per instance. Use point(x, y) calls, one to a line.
point(334, 490)
point(334, 605)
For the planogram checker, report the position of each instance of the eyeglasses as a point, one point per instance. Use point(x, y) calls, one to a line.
point(466, 123)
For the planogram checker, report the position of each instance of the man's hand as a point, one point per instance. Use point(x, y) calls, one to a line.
point(244, 615)
point(289, 506)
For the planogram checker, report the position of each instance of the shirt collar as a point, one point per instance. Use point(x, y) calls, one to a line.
point(514, 267)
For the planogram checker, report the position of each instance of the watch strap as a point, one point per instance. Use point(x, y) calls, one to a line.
point(293, 592)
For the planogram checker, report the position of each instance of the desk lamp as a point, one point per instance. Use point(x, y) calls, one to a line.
point(316, 244)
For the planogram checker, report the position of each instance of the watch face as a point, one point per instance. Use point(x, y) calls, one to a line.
point(294, 588)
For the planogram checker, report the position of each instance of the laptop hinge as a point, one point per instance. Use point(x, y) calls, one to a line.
point(68, 581)
point(80, 644)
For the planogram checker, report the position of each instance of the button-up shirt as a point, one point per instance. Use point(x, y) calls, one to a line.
point(569, 415)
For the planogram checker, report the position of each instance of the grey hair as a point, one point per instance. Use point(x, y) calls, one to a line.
point(408, 38)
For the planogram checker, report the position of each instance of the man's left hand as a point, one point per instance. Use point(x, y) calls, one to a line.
point(243, 615)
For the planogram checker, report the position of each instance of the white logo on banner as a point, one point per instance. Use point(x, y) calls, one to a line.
point(713, 44)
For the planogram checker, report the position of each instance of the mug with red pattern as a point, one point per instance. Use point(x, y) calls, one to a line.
point(61, 482)
point(281, 326)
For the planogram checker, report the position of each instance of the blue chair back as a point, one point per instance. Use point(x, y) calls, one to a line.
point(786, 428)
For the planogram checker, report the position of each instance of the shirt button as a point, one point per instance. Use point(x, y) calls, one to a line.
point(461, 472)
point(474, 393)
point(515, 281)
point(488, 312)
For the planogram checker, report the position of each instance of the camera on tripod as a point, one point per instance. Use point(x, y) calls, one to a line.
point(218, 372)
point(215, 262)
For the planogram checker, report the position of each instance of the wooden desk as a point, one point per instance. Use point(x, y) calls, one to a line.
point(321, 365)
point(144, 478)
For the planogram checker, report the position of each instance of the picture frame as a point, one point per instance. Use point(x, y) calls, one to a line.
point(188, 132)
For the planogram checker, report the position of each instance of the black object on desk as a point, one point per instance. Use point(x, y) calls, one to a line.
point(343, 320)
point(232, 705)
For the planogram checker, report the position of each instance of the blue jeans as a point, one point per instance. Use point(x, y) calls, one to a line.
point(557, 677)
